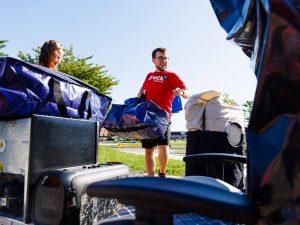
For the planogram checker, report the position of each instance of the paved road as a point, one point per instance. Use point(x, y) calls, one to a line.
point(141, 151)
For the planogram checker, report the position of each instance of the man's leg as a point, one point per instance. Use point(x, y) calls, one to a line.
point(150, 161)
point(163, 152)
point(163, 156)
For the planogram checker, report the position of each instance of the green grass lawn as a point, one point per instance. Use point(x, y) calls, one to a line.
point(136, 162)
point(178, 144)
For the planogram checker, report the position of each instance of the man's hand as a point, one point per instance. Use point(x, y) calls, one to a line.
point(141, 92)
point(181, 92)
point(178, 92)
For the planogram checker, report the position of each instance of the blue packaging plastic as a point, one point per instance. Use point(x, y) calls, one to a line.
point(137, 119)
point(27, 89)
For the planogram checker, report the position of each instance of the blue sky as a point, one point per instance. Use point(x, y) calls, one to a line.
point(121, 35)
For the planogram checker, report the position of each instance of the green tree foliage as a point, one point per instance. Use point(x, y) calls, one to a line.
point(28, 58)
point(93, 74)
point(247, 108)
point(79, 67)
point(3, 45)
point(227, 100)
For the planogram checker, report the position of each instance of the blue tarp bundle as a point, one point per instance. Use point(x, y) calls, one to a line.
point(27, 89)
point(137, 119)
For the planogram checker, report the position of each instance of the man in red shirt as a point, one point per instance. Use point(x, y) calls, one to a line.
point(161, 86)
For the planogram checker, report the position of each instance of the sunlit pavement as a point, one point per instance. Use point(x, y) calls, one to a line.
point(141, 151)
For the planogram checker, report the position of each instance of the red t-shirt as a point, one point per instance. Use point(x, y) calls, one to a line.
point(159, 87)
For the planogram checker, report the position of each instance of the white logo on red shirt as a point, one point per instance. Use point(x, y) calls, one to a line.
point(158, 78)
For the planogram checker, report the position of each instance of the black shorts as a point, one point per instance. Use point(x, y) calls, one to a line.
point(159, 141)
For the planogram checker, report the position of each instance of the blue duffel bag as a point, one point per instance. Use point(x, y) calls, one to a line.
point(138, 119)
point(27, 89)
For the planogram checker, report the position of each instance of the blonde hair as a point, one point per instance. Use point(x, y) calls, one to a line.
point(48, 48)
